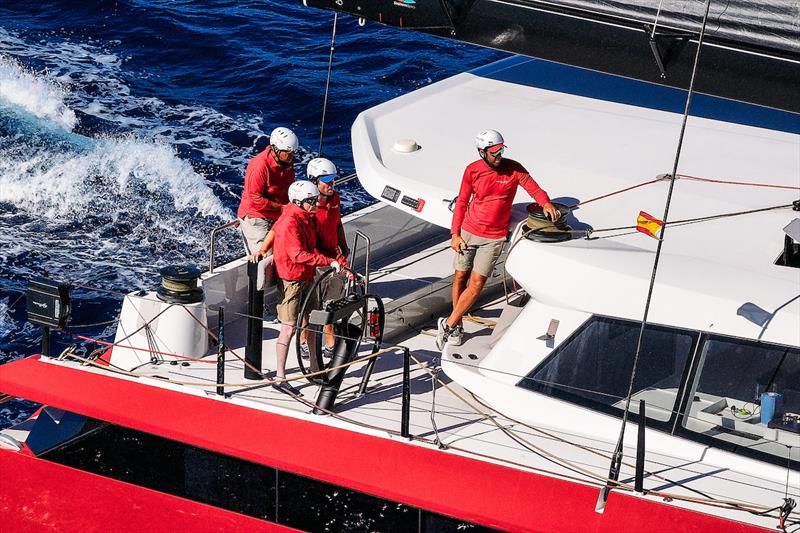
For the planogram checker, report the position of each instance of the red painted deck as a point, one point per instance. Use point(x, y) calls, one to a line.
point(473, 490)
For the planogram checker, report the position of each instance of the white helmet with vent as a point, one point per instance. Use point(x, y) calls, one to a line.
point(302, 190)
point(283, 139)
point(488, 138)
point(319, 168)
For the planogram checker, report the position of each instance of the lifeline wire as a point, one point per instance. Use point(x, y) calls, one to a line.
point(617, 458)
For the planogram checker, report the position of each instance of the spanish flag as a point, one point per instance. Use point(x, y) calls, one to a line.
point(649, 225)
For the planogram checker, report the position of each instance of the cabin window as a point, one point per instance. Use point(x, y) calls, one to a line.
point(726, 401)
point(594, 366)
point(241, 486)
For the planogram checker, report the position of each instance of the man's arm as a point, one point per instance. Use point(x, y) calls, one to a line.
point(266, 246)
point(256, 184)
point(297, 252)
point(539, 195)
point(460, 211)
point(342, 240)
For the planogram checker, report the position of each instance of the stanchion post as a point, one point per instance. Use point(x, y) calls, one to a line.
point(255, 310)
point(221, 353)
point(406, 414)
point(638, 484)
point(46, 341)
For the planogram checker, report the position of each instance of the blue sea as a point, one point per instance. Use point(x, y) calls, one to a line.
point(126, 125)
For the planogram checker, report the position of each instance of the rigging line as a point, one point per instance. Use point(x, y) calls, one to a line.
point(328, 81)
point(655, 22)
point(10, 307)
point(682, 222)
point(626, 189)
point(614, 467)
point(732, 182)
point(149, 350)
point(574, 390)
point(212, 384)
point(93, 325)
point(728, 504)
point(600, 453)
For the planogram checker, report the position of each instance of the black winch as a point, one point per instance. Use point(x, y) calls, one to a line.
point(179, 284)
point(541, 228)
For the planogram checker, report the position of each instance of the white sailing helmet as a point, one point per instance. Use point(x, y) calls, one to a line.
point(487, 138)
point(283, 139)
point(321, 169)
point(300, 191)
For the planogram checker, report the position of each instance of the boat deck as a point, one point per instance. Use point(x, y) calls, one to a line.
point(446, 415)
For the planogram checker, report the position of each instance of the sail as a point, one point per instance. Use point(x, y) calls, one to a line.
point(751, 49)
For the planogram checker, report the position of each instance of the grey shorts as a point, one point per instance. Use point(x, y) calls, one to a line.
point(254, 231)
point(480, 254)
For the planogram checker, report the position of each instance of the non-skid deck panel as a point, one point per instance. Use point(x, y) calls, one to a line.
point(439, 481)
point(393, 233)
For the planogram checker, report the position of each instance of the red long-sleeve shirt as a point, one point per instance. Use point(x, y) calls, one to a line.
point(484, 202)
point(266, 187)
point(295, 248)
point(329, 216)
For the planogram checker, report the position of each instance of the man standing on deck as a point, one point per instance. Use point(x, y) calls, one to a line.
point(480, 225)
point(331, 240)
point(296, 262)
point(266, 186)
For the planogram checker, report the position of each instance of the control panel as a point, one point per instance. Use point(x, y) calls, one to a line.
point(414, 203)
point(390, 193)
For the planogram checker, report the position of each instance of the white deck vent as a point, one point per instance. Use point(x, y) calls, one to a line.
point(405, 146)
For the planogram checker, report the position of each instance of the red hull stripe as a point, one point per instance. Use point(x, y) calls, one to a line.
point(473, 490)
point(37, 495)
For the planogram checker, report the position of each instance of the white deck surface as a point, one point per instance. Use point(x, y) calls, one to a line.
point(461, 427)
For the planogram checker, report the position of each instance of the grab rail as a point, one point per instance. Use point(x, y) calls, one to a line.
point(364, 236)
point(232, 223)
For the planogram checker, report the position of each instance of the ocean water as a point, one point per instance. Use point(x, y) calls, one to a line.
point(125, 128)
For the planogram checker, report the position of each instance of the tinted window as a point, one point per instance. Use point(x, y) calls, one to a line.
point(252, 489)
point(594, 366)
point(726, 404)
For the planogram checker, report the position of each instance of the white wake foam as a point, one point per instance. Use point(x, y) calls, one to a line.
point(37, 94)
point(116, 174)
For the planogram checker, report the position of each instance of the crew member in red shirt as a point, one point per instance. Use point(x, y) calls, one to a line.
point(296, 262)
point(331, 241)
point(266, 186)
point(480, 225)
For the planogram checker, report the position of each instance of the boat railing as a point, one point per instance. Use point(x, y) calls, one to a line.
point(360, 235)
point(346, 179)
point(213, 237)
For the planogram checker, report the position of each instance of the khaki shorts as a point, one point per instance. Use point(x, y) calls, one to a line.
point(480, 254)
point(254, 231)
point(290, 297)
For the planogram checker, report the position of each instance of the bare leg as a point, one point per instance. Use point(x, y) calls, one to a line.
point(304, 331)
point(467, 298)
point(282, 349)
point(330, 339)
point(459, 285)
